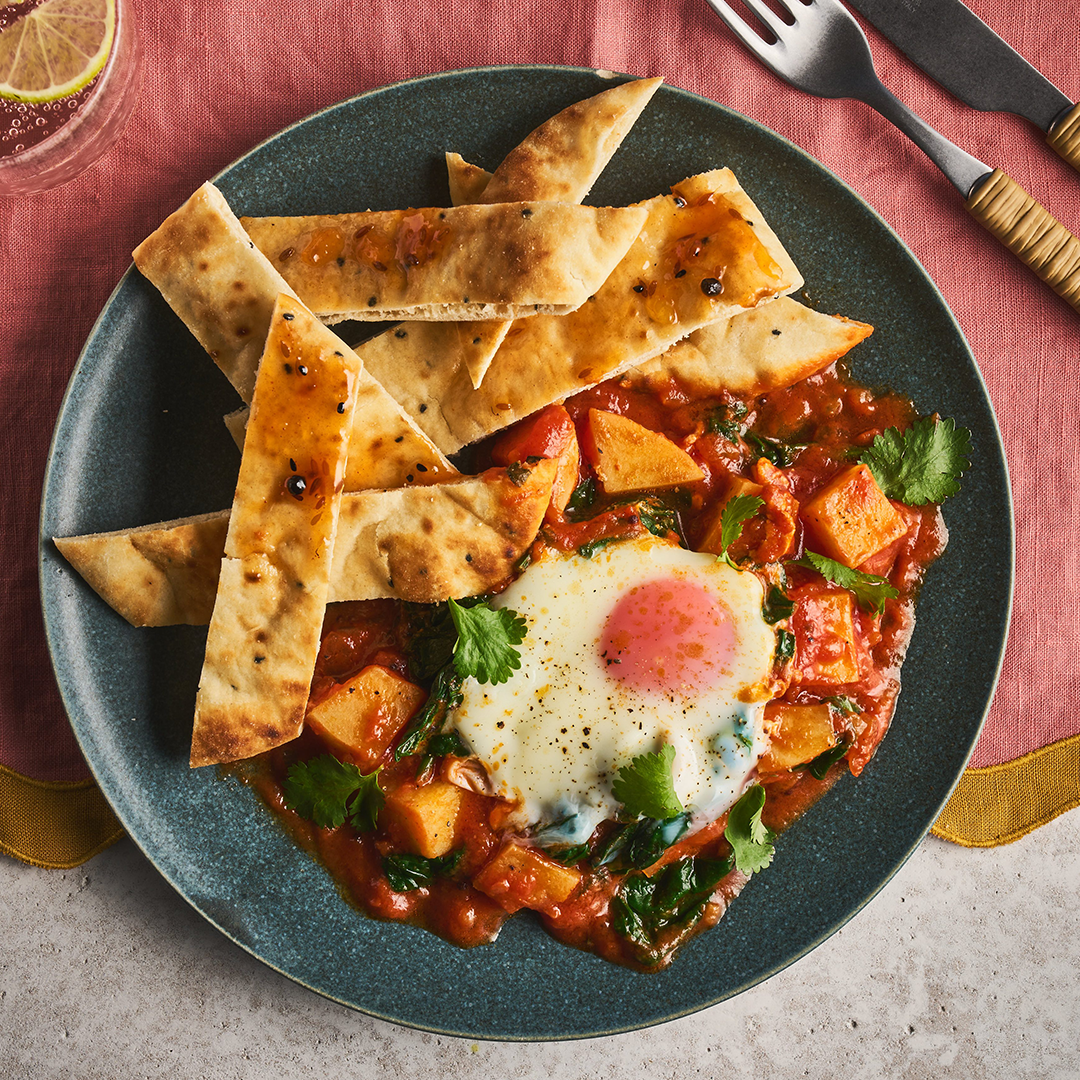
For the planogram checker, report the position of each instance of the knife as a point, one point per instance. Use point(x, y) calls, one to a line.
point(957, 49)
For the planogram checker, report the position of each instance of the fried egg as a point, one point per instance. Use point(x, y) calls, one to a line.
point(642, 645)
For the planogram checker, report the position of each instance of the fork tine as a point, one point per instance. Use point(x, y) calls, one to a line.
point(773, 23)
point(793, 7)
point(735, 23)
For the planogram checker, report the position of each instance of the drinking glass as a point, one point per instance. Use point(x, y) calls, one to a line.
point(43, 145)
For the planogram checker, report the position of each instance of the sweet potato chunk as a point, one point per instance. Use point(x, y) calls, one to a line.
point(850, 519)
point(424, 819)
point(361, 718)
point(520, 877)
point(799, 734)
point(630, 457)
point(823, 622)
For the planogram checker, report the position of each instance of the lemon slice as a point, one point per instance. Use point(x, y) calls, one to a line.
point(56, 49)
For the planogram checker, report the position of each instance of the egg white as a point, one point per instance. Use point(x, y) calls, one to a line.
point(555, 735)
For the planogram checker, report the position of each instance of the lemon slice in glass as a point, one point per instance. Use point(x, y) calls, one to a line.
point(56, 49)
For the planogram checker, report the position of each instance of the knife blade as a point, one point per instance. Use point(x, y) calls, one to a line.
point(958, 50)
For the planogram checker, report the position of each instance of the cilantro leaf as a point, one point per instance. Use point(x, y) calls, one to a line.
point(738, 509)
point(921, 465)
point(326, 791)
point(871, 591)
point(365, 807)
point(750, 839)
point(486, 640)
point(646, 788)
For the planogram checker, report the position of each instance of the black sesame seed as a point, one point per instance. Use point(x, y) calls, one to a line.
point(341, 406)
point(288, 368)
point(421, 468)
point(423, 408)
point(288, 316)
point(711, 286)
point(526, 212)
point(296, 486)
point(476, 341)
point(400, 333)
point(639, 288)
point(776, 333)
point(410, 478)
point(302, 369)
point(292, 464)
point(680, 273)
point(372, 301)
point(400, 438)
point(468, 558)
point(259, 659)
point(341, 261)
point(680, 201)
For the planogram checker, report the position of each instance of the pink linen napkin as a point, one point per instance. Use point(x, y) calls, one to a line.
point(221, 75)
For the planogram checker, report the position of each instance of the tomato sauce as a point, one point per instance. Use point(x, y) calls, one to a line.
point(786, 445)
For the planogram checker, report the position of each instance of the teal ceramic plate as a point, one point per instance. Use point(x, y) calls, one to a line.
point(140, 439)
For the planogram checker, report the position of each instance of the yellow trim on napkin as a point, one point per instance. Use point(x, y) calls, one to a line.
point(1001, 803)
point(54, 824)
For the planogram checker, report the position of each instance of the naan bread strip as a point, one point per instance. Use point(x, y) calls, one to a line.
point(467, 181)
point(155, 575)
point(211, 274)
point(644, 307)
point(160, 575)
point(465, 262)
point(387, 448)
point(558, 162)
point(224, 289)
point(770, 347)
point(275, 574)
point(461, 538)
point(562, 158)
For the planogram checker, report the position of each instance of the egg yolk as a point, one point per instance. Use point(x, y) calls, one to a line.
point(668, 636)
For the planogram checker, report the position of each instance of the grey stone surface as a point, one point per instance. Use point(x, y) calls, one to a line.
point(967, 965)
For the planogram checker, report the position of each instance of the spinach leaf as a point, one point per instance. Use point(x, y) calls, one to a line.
point(675, 898)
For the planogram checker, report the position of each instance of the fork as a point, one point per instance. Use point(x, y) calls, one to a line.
point(825, 53)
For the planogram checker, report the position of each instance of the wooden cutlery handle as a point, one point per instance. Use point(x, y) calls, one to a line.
point(1005, 209)
point(1064, 137)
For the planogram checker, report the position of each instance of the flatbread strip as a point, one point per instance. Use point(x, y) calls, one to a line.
point(164, 574)
point(224, 289)
point(661, 291)
point(466, 262)
point(761, 350)
point(558, 162)
point(275, 574)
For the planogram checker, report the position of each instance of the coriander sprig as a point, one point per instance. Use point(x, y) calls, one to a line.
point(327, 791)
point(646, 787)
point(871, 591)
point(921, 465)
